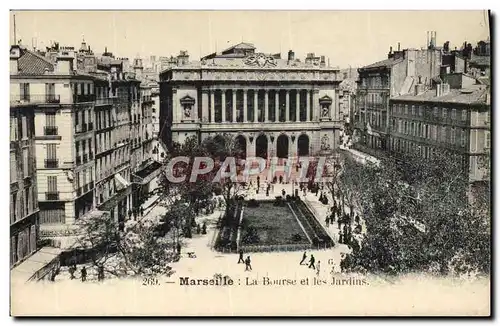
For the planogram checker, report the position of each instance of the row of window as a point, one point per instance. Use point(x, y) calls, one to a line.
point(84, 150)
point(22, 203)
point(419, 110)
point(22, 244)
point(444, 134)
point(27, 168)
point(18, 132)
point(405, 146)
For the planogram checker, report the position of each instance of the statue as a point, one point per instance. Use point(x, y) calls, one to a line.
point(325, 112)
point(325, 143)
point(187, 111)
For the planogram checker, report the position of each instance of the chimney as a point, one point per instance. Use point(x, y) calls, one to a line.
point(438, 90)
point(15, 54)
point(322, 63)
point(291, 56)
point(419, 87)
point(64, 65)
point(399, 46)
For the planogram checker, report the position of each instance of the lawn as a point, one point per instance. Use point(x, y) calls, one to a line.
point(273, 225)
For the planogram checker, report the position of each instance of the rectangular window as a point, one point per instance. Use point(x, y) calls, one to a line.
point(50, 119)
point(413, 110)
point(13, 128)
point(445, 113)
point(51, 151)
point(13, 167)
point(453, 114)
point(443, 134)
point(462, 138)
point(453, 136)
point(26, 171)
point(24, 127)
point(436, 109)
point(487, 140)
point(464, 115)
point(52, 184)
point(421, 110)
point(406, 109)
point(24, 91)
point(50, 91)
point(487, 118)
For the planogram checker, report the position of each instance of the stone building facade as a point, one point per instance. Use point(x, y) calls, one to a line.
point(385, 79)
point(275, 107)
point(455, 116)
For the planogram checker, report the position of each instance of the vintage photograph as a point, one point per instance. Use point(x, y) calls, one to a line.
point(250, 163)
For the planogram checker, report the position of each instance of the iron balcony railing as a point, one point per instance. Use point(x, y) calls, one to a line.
point(50, 130)
point(34, 98)
point(51, 163)
point(52, 195)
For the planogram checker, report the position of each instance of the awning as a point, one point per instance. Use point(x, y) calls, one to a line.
point(36, 266)
point(121, 181)
point(147, 174)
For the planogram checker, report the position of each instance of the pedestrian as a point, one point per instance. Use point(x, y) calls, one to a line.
point(318, 268)
point(241, 257)
point(248, 266)
point(281, 179)
point(72, 271)
point(198, 229)
point(84, 274)
point(283, 192)
point(311, 262)
point(100, 273)
point(304, 257)
point(142, 211)
point(258, 182)
point(339, 223)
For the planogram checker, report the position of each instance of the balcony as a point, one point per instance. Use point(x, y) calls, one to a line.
point(34, 99)
point(83, 98)
point(50, 131)
point(51, 163)
point(104, 101)
point(52, 195)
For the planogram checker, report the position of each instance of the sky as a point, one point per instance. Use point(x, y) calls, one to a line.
point(346, 38)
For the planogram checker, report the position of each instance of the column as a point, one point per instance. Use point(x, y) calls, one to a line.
point(212, 106)
point(223, 105)
point(256, 105)
point(308, 105)
point(175, 108)
point(315, 105)
point(277, 106)
point(287, 101)
point(266, 106)
point(204, 105)
point(245, 105)
point(336, 107)
point(297, 106)
point(234, 105)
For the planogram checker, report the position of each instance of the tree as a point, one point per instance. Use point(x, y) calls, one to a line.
point(136, 251)
point(418, 218)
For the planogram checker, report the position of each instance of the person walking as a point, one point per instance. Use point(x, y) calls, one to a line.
point(304, 257)
point(241, 257)
point(84, 274)
point(72, 271)
point(318, 268)
point(311, 262)
point(248, 266)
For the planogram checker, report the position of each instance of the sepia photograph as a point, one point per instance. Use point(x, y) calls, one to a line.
point(250, 163)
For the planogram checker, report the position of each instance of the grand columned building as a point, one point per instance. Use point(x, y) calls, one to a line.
point(272, 106)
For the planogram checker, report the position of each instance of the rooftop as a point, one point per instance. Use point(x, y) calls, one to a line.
point(384, 63)
point(30, 63)
point(475, 94)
